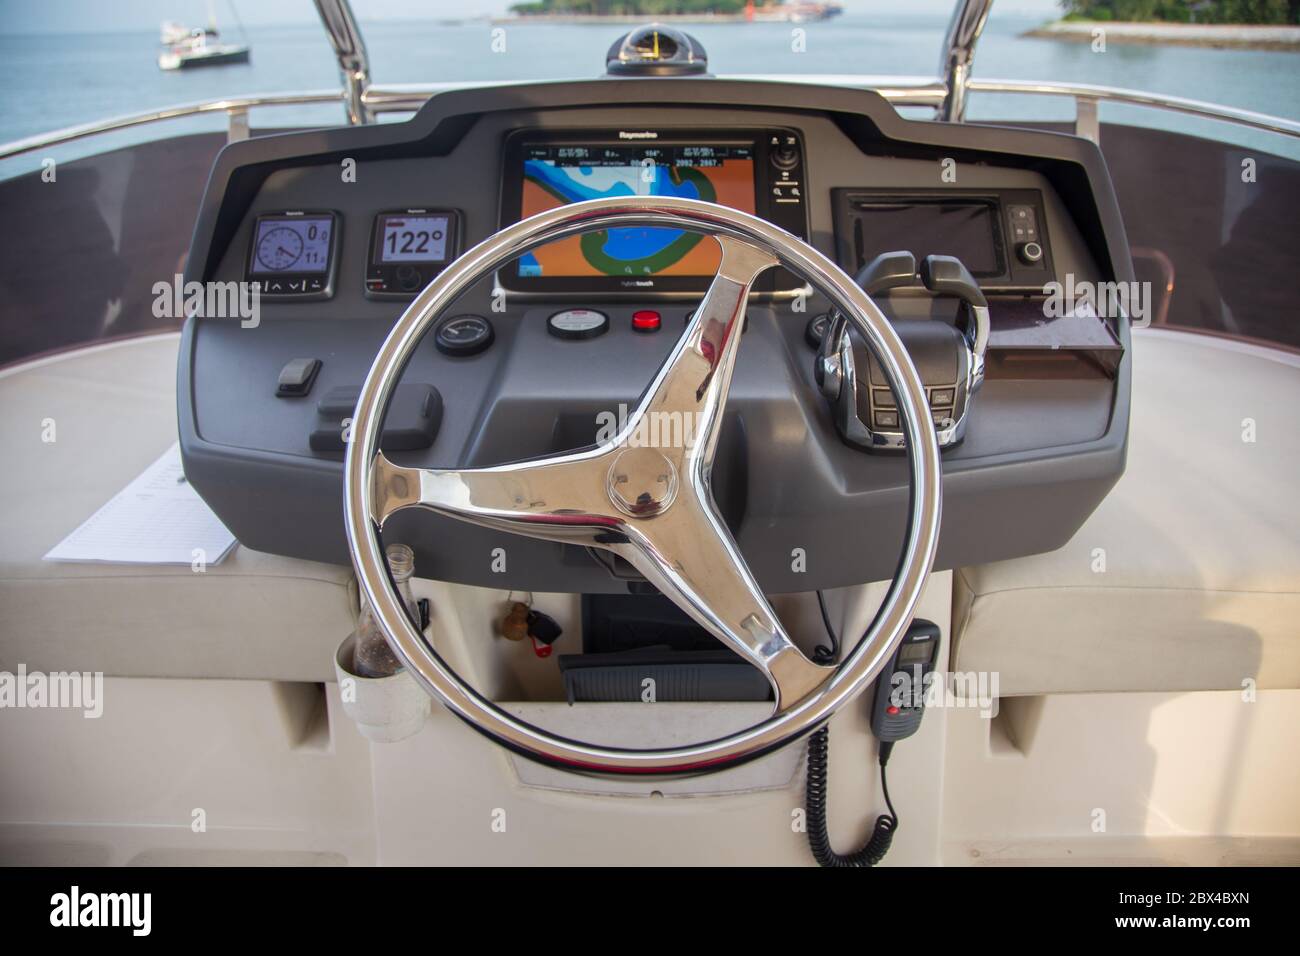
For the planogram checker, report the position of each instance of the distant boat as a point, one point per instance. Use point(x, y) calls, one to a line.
point(796, 12)
point(189, 48)
point(172, 32)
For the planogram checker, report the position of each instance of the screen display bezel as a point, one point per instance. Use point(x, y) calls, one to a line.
point(285, 279)
point(266, 224)
point(1014, 275)
point(295, 218)
point(641, 286)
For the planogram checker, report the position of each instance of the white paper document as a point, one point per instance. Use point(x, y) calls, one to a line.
point(156, 519)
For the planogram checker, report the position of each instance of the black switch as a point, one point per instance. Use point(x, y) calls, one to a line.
point(296, 377)
point(887, 419)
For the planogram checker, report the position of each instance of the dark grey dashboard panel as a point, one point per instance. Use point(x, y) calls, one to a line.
point(1039, 456)
point(835, 162)
point(801, 487)
point(1074, 165)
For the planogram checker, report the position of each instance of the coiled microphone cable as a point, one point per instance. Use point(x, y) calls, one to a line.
point(882, 836)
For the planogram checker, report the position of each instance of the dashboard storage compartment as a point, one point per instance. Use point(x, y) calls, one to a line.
point(412, 422)
point(661, 675)
point(643, 648)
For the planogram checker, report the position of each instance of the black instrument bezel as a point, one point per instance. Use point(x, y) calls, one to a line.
point(331, 268)
point(378, 271)
point(1012, 275)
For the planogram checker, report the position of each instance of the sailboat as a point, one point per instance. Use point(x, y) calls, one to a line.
point(199, 47)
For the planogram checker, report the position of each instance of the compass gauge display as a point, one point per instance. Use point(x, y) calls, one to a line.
point(292, 244)
point(279, 249)
point(292, 254)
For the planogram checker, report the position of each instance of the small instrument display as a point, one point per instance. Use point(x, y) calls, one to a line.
point(293, 245)
point(414, 238)
point(408, 248)
point(293, 254)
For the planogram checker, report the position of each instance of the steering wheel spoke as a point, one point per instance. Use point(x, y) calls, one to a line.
point(690, 556)
point(686, 399)
point(559, 499)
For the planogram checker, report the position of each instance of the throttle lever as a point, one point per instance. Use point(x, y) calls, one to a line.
point(889, 270)
point(948, 275)
point(950, 360)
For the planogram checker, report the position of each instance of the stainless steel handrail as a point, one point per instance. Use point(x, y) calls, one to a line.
point(900, 91)
point(409, 97)
point(350, 50)
point(1177, 104)
point(968, 19)
point(232, 106)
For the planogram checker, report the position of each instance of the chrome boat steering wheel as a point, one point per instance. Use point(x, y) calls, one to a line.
point(650, 505)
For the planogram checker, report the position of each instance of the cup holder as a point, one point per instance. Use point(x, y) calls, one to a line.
point(385, 709)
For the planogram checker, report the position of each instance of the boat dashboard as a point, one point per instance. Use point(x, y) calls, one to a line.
point(339, 229)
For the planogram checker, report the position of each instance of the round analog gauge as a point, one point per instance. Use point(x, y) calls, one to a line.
point(280, 249)
point(463, 335)
point(578, 324)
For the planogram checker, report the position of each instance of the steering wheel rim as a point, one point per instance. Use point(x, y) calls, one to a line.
point(375, 488)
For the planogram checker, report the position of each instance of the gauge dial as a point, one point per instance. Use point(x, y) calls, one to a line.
point(280, 249)
point(578, 324)
point(463, 335)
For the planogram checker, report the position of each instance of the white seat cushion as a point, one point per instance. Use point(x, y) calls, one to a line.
point(1187, 577)
point(113, 409)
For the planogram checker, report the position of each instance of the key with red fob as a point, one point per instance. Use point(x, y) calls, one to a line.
point(544, 632)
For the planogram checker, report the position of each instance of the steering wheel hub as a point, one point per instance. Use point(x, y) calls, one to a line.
point(642, 482)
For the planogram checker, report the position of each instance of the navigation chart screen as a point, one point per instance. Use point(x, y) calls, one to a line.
point(558, 174)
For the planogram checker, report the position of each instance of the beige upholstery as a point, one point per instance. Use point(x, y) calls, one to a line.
point(113, 408)
point(1200, 542)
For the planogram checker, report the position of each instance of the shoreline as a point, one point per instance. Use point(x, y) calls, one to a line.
point(1228, 36)
point(622, 18)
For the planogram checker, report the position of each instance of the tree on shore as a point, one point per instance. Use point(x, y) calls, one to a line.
point(1267, 12)
point(649, 8)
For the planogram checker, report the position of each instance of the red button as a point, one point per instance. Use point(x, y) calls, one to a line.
point(891, 710)
point(646, 320)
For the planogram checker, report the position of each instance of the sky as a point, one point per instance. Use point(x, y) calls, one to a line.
point(88, 16)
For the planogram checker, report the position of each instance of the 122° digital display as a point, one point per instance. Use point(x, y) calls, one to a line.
point(413, 238)
point(292, 245)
